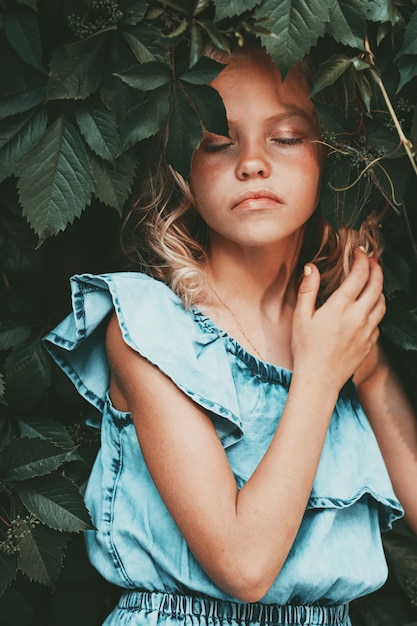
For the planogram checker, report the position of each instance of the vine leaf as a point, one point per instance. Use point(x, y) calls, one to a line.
point(8, 569)
point(202, 72)
point(410, 38)
point(27, 372)
point(147, 76)
point(55, 180)
point(41, 554)
point(47, 429)
point(294, 26)
point(383, 11)
point(135, 13)
point(100, 131)
point(210, 108)
point(18, 135)
point(329, 71)
point(21, 101)
point(76, 70)
point(184, 133)
point(22, 32)
point(347, 22)
point(56, 501)
point(147, 118)
point(25, 458)
point(11, 335)
point(407, 66)
point(112, 183)
point(146, 43)
point(229, 8)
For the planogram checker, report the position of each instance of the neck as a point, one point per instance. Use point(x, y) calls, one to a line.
point(257, 277)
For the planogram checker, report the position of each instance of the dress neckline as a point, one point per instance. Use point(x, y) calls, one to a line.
point(264, 369)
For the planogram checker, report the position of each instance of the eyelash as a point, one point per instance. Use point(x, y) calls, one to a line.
point(288, 141)
point(285, 141)
point(215, 147)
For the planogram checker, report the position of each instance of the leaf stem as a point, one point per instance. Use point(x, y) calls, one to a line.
point(403, 139)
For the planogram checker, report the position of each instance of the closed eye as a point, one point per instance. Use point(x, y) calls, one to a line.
point(288, 141)
point(215, 147)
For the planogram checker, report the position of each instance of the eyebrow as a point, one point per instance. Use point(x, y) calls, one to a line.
point(288, 114)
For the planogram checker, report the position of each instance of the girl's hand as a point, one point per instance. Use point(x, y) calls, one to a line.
point(332, 341)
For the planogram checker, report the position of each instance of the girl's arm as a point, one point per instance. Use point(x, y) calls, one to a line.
point(395, 425)
point(242, 537)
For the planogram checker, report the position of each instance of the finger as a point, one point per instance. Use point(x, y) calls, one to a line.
point(373, 288)
point(308, 291)
point(376, 315)
point(356, 281)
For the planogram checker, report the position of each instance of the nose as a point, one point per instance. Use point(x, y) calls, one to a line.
point(252, 163)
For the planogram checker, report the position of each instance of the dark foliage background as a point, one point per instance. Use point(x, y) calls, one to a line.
point(84, 85)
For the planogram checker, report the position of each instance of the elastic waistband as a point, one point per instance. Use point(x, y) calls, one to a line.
point(177, 606)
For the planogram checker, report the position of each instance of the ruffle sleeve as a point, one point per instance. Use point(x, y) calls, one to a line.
point(155, 324)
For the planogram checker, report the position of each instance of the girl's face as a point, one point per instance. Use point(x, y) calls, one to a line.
point(259, 186)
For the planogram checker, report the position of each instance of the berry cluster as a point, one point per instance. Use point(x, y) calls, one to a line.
point(99, 15)
point(17, 530)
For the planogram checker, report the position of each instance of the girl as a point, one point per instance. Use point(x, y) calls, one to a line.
point(239, 479)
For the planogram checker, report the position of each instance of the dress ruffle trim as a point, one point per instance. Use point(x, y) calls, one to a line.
point(193, 358)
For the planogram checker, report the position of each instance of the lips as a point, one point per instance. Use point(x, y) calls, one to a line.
point(256, 199)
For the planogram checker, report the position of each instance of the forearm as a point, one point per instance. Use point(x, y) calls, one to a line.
point(395, 425)
point(271, 505)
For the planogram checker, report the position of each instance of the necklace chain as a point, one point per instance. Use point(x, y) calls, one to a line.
point(235, 320)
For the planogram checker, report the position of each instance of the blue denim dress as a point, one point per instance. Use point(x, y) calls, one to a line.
point(337, 555)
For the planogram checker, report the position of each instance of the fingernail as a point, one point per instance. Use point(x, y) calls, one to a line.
point(307, 270)
point(362, 248)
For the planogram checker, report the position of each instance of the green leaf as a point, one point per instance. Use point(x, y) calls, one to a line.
point(56, 501)
point(43, 428)
point(18, 135)
point(41, 554)
point(407, 66)
point(203, 72)
point(135, 13)
point(402, 329)
point(33, 4)
point(335, 120)
point(347, 22)
point(196, 43)
point(24, 458)
point(114, 182)
point(55, 180)
point(329, 71)
point(229, 8)
point(210, 108)
point(27, 371)
point(22, 31)
point(100, 131)
point(396, 272)
point(294, 25)
point(383, 11)
point(146, 43)
point(215, 36)
point(21, 101)
point(410, 38)
point(11, 334)
point(341, 198)
point(8, 569)
point(184, 133)
point(76, 70)
point(146, 119)
point(148, 76)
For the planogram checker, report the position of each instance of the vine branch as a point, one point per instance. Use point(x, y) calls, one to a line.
point(408, 145)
